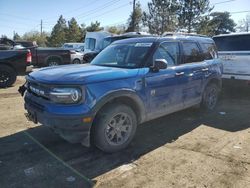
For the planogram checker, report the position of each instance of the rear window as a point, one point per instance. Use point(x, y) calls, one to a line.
point(90, 43)
point(233, 43)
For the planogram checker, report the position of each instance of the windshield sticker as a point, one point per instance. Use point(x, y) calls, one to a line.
point(143, 44)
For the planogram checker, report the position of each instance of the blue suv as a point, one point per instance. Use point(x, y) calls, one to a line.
point(130, 82)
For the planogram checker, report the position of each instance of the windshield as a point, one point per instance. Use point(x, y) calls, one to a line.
point(90, 43)
point(122, 55)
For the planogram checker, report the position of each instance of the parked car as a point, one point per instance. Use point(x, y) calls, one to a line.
point(130, 82)
point(42, 57)
point(7, 44)
point(234, 52)
point(76, 56)
point(93, 44)
point(73, 46)
point(13, 63)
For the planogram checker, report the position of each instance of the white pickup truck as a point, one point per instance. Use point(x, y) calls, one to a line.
point(234, 52)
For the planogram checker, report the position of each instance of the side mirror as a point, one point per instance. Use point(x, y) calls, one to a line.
point(159, 64)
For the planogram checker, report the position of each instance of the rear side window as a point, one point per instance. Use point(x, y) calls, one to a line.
point(209, 50)
point(191, 52)
point(233, 43)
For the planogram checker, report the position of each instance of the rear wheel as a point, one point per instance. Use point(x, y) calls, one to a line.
point(76, 61)
point(7, 76)
point(115, 128)
point(210, 97)
point(53, 62)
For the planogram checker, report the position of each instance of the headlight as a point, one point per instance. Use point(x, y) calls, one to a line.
point(65, 95)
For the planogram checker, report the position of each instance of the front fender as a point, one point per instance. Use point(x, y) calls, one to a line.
point(120, 94)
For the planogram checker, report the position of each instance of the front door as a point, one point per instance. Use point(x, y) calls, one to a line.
point(162, 88)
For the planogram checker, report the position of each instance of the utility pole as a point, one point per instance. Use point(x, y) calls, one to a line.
point(41, 27)
point(133, 17)
point(14, 33)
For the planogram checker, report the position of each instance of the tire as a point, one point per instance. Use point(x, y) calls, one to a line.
point(7, 76)
point(76, 61)
point(210, 97)
point(115, 128)
point(53, 62)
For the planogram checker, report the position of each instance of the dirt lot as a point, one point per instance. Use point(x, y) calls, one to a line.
point(185, 149)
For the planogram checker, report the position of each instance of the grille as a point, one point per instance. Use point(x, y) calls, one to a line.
point(38, 90)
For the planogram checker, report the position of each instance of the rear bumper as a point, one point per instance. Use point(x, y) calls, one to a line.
point(243, 77)
point(71, 127)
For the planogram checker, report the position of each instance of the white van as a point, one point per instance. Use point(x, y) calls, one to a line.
point(94, 41)
point(234, 52)
point(73, 46)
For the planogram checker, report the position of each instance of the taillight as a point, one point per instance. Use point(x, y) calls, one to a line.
point(29, 57)
point(72, 52)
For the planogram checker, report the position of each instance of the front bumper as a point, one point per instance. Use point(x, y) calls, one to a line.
point(69, 126)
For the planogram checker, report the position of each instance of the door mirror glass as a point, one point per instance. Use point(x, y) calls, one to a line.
point(160, 64)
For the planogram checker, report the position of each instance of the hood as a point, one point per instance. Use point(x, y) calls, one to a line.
point(80, 74)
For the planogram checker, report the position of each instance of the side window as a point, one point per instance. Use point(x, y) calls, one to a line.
point(168, 51)
point(209, 50)
point(191, 52)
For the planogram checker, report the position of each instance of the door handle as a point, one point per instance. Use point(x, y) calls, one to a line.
point(204, 69)
point(179, 73)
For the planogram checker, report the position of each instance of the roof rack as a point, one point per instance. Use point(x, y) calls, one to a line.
point(182, 33)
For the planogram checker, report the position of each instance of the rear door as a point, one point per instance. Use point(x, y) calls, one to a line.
point(193, 69)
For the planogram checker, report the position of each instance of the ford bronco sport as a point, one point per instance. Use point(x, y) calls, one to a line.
point(130, 82)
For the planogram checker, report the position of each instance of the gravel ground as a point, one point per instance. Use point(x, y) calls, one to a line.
point(185, 149)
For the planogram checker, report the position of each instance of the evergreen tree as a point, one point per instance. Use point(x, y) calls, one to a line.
point(83, 32)
point(94, 27)
point(161, 16)
point(32, 36)
point(58, 34)
point(191, 13)
point(116, 29)
point(217, 23)
point(137, 15)
point(74, 33)
point(16, 37)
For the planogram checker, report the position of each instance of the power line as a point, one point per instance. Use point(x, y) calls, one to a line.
point(92, 11)
point(73, 10)
point(18, 17)
point(239, 12)
point(109, 11)
point(222, 2)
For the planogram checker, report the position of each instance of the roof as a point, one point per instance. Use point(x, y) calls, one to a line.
point(161, 39)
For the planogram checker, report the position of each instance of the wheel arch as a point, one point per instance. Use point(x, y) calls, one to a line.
point(216, 81)
point(8, 65)
point(127, 97)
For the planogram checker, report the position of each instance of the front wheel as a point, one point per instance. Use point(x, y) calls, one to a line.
point(7, 76)
point(210, 97)
point(115, 128)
